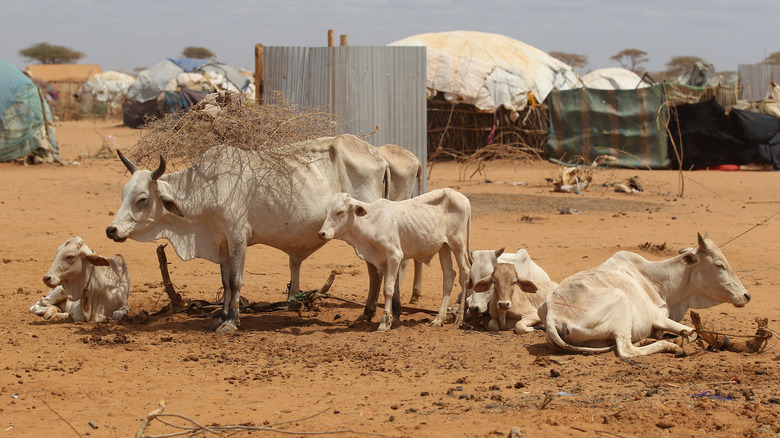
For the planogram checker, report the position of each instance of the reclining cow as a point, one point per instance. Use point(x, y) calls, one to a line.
point(385, 233)
point(512, 307)
point(628, 299)
point(85, 285)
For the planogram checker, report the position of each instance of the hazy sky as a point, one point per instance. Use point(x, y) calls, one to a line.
point(140, 33)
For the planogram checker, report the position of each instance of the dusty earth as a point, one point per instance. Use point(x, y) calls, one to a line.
point(317, 371)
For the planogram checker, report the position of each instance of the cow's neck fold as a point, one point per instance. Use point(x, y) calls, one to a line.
point(673, 282)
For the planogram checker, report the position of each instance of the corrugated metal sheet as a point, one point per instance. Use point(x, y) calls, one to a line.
point(755, 80)
point(364, 87)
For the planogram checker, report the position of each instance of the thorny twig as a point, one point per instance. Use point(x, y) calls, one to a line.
point(191, 427)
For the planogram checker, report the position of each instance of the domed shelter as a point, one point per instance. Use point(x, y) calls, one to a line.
point(613, 79)
point(479, 84)
point(26, 127)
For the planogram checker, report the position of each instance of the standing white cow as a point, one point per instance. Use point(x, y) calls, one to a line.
point(385, 233)
point(85, 285)
point(628, 299)
point(405, 171)
point(231, 198)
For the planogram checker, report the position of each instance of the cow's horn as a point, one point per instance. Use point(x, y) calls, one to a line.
point(160, 169)
point(129, 164)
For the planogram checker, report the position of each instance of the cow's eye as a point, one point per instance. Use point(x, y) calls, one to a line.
point(339, 213)
point(70, 258)
point(720, 265)
point(141, 201)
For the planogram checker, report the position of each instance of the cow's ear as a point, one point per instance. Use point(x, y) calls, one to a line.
point(170, 204)
point(689, 258)
point(360, 211)
point(526, 286)
point(97, 259)
point(484, 284)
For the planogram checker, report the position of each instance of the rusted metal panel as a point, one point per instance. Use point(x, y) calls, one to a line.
point(363, 87)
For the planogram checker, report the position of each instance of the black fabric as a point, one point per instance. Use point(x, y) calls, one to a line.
point(134, 113)
point(708, 137)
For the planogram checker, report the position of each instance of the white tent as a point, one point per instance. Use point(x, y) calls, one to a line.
point(613, 79)
point(489, 70)
point(109, 87)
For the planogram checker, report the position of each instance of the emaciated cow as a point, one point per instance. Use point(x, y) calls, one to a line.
point(85, 285)
point(231, 198)
point(628, 299)
point(384, 233)
point(513, 307)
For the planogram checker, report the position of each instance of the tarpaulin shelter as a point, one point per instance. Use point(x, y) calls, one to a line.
point(485, 88)
point(104, 93)
point(147, 95)
point(613, 79)
point(626, 124)
point(709, 137)
point(26, 128)
point(489, 70)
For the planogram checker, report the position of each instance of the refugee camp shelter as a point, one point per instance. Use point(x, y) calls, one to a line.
point(67, 80)
point(26, 128)
point(480, 87)
point(102, 95)
point(628, 125)
point(175, 84)
point(613, 79)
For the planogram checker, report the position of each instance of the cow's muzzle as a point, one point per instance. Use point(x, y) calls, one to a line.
point(111, 233)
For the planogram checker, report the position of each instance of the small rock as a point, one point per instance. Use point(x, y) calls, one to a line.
point(516, 432)
point(555, 373)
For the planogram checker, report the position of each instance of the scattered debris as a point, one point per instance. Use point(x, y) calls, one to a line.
point(567, 210)
point(653, 247)
point(720, 341)
point(630, 185)
point(710, 394)
point(576, 179)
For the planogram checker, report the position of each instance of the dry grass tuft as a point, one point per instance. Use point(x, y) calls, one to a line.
point(475, 163)
point(228, 119)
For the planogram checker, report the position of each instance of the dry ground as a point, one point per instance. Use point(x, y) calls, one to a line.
point(414, 380)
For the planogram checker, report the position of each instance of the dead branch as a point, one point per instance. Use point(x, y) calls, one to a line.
point(722, 341)
point(191, 427)
point(61, 417)
point(176, 299)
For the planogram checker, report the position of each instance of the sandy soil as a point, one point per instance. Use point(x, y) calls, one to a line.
point(67, 379)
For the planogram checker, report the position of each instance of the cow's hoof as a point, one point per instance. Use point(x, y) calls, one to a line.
point(364, 318)
point(436, 323)
point(387, 322)
point(227, 327)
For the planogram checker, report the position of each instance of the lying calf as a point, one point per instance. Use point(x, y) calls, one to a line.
point(385, 233)
point(85, 285)
point(510, 306)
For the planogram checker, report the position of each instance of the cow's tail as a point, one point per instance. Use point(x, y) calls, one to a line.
point(554, 338)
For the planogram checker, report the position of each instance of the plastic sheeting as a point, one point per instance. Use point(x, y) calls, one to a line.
point(613, 79)
point(587, 123)
point(23, 118)
point(489, 70)
point(151, 82)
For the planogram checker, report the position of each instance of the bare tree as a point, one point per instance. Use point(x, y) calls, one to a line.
point(573, 59)
point(197, 53)
point(46, 53)
point(680, 64)
point(630, 59)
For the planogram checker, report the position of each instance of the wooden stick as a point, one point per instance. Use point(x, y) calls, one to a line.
point(176, 299)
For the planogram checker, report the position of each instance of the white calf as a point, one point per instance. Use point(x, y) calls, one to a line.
point(97, 288)
point(511, 307)
point(384, 233)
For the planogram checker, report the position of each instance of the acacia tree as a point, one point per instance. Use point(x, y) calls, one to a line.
point(573, 59)
point(680, 64)
point(772, 58)
point(630, 59)
point(197, 53)
point(46, 53)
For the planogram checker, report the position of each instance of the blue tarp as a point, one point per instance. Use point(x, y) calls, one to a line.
point(22, 115)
